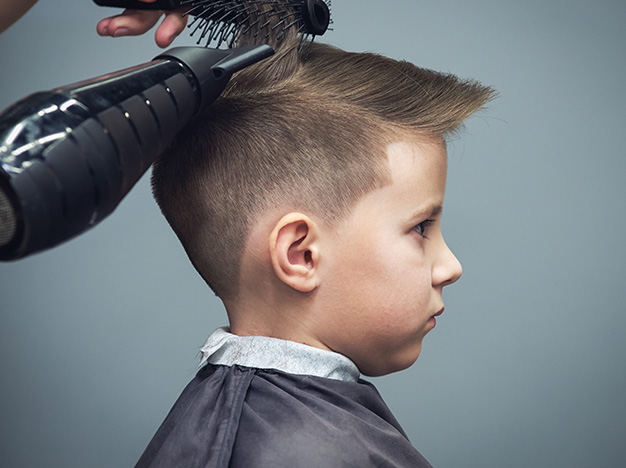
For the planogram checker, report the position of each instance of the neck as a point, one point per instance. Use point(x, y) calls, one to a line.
point(285, 315)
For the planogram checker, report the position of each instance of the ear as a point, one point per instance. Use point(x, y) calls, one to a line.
point(294, 250)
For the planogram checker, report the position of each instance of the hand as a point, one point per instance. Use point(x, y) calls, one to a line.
point(136, 22)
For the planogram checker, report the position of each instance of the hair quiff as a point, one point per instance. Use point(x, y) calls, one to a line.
point(304, 134)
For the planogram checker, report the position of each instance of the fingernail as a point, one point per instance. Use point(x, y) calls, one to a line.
point(172, 37)
point(120, 32)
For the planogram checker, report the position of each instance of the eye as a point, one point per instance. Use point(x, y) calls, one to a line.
point(422, 227)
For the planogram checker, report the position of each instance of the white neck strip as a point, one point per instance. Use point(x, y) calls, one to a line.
point(224, 348)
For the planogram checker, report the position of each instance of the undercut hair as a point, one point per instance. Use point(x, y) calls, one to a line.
point(309, 135)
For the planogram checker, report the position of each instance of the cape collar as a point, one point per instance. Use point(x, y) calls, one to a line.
point(224, 348)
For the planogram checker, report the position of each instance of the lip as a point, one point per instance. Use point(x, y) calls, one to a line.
point(433, 320)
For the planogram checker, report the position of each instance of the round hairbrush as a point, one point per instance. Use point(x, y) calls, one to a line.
point(226, 22)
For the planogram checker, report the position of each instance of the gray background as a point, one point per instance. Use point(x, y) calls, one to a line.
point(525, 368)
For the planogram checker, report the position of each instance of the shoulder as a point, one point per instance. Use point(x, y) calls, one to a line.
point(302, 421)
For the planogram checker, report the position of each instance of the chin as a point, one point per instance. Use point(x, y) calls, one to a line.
point(389, 366)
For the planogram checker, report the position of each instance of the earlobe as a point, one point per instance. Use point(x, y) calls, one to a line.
point(294, 251)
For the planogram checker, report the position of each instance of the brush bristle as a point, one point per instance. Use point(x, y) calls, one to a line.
point(231, 23)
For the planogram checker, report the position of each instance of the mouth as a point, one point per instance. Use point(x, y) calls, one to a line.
point(432, 320)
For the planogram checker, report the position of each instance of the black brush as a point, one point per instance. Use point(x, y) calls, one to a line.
point(227, 22)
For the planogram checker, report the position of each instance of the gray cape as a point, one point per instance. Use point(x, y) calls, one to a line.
point(232, 415)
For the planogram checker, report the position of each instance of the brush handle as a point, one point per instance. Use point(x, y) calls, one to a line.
point(137, 5)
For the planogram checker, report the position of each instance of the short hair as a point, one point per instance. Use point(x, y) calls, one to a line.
point(308, 134)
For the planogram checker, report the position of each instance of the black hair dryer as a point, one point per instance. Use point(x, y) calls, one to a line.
point(68, 156)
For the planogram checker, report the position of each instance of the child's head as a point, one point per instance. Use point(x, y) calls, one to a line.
point(314, 188)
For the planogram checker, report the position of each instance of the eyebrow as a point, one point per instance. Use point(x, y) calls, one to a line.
point(428, 211)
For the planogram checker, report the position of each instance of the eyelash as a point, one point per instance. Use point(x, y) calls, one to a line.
point(422, 227)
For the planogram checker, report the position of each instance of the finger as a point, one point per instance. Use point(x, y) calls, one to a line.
point(172, 25)
point(129, 23)
point(103, 26)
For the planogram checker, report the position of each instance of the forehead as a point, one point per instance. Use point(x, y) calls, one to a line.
point(412, 160)
point(417, 173)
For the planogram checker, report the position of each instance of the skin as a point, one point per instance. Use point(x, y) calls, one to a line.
point(137, 22)
point(369, 288)
point(12, 10)
point(128, 23)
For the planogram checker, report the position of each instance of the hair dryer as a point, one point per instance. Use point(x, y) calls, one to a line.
point(68, 156)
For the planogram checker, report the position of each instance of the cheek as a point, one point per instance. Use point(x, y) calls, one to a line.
point(391, 267)
point(390, 298)
point(384, 278)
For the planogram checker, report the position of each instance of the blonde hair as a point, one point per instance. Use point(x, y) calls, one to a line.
point(308, 134)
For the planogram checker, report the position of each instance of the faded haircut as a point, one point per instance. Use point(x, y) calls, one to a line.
point(309, 135)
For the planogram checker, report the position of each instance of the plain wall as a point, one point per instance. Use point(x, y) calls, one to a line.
point(526, 366)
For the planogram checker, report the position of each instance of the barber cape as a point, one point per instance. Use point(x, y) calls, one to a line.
point(264, 402)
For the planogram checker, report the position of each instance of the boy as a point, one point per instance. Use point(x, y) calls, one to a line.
point(309, 197)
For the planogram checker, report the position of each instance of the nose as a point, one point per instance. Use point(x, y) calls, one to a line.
point(446, 268)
